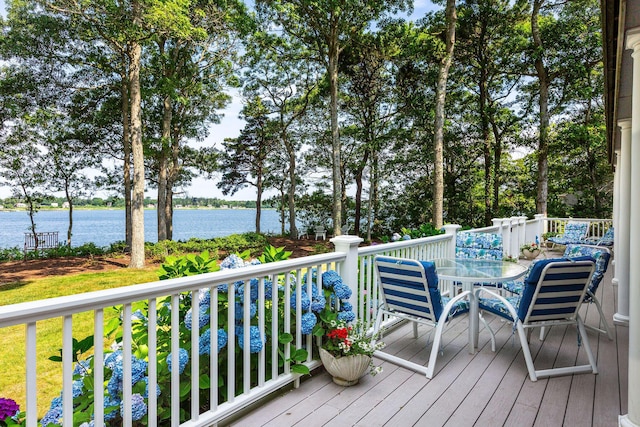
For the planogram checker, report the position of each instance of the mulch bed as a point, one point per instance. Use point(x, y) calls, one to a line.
point(18, 271)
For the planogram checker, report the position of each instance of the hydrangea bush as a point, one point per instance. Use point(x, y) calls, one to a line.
point(316, 303)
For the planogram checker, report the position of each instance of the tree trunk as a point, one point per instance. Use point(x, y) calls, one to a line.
point(359, 187)
point(543, 143)
point(70, 202)
point(335, 136)
point(293, 232)
point(126, 143)
point(258, 201)
point(163, 169)
point(438, 137)
point(486, 139)
point(137, 203)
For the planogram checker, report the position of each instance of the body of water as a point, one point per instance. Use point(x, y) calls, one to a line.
point(104, 227)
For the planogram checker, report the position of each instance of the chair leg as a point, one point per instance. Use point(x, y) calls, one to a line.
point(603, 319)
point(542, 333)
point(493, 335)
point(587, 347)
point(524, 343)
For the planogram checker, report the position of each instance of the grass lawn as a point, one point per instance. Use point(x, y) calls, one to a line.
point(49, 333)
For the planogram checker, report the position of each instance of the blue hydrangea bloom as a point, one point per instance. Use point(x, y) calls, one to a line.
point(255, 340)
point(205, 297)
point(76, 387)
point(342, 291)
point(232, 261)
point(53, 416)
point(308, 321)
point(81, 368)
point(268, 289)
point(205, 341)
point(114, 362)
point(183, 358)
point(314, 276)
point(110, 402)
point(330, 279)
point(305, 302)
point(223, 288)
point(138, 407)
point(203, 319)
point(138, 316)
point(346, 316)
point(111, 360)
point(406, 237)
point(56, 401)
point(346, 306)
point(318, 303)
point(239, 313)
point(253, 290)
point(146, 388)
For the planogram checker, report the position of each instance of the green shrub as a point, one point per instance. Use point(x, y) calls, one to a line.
point(11, 254)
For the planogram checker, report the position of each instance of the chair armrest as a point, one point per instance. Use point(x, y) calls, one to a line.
point(511, 308)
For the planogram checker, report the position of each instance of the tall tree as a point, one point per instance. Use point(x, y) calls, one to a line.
point(327, 27)
point(441, 93)
point(244, 159)
point(281, 73)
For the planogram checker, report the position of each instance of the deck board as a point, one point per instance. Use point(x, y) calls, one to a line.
point(483, 389)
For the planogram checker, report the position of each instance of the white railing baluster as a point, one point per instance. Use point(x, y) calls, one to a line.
point(231, 346)
point(31, 374)
point(287, 318)
point(126, 365)
point(195, 355)
point(98, 367)
point(214, 352)
point(67, 368)
point(246, 340)
point(152, 368)
point(275, 326)
point(175, 360)
point(262, 357)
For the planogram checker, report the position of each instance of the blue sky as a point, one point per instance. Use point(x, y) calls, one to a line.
point(229, 127)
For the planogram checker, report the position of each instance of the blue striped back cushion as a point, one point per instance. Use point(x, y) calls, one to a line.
point(405, 285)
point(560, 292)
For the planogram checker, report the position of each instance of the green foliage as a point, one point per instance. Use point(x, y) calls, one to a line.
point(424, 230)
point(188, 265)
point(11, 254)
point(272, 254)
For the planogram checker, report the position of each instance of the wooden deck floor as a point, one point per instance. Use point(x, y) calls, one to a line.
point(485, 389)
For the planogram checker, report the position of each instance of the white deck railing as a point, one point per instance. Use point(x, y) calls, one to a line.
point(253, 375)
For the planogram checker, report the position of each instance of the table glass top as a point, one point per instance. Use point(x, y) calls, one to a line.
point(471, 269)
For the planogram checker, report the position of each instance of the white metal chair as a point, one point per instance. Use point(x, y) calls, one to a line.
point(553, 292)
point(409, 290)
point(601, 255)
point(320, 232)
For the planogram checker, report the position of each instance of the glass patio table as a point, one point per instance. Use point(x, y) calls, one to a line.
point(473, 271)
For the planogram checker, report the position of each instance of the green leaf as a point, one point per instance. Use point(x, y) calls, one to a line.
point(300, 369)
point(205, 381)
point(300, 355)
point(285, 338)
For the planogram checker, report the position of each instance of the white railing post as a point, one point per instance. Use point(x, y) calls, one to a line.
point(522, 232)
point(349, 267)
point(540, 225)
point(452, 229)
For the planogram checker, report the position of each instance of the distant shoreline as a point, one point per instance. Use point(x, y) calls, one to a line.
point(85, 208)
